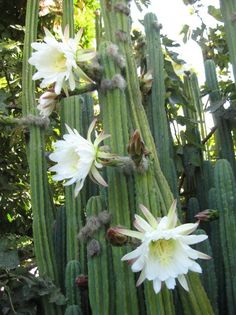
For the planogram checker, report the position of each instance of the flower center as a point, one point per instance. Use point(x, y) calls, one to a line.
point(60, 62)
point(163, 249)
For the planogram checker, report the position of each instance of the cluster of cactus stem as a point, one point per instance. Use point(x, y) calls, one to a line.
point(80, 259)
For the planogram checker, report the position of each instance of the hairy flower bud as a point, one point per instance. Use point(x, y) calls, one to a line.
point(116, 238)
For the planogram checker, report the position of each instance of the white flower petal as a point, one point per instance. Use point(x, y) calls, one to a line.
point(157, 285)
point(141, 278)
point(138, 264)
point(143, 224)
point(151, 219)
point(193, 239)
point(186, 228)
point(98, 178)
point(170, 283)
point(182, 280)
point(172, 216)
point(131, 233)
point(195, 267)
point(134, 254)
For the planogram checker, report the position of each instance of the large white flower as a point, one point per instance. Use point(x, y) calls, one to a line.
point(56, 61)
point(164, 254)
point(77, 157)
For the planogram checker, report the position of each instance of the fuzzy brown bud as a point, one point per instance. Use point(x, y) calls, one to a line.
point(104, 217)
point(82, 281)
point(115, 238)
point(93, 248)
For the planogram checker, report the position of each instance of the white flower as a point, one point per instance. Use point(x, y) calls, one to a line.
point(164, 254)
point(56, 62)
point(77, 157)
point(47, 103)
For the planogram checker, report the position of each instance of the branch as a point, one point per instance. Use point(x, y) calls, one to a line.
point(209, 135)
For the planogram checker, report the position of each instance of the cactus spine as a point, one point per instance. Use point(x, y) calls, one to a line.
point(226, 204)
point(98, 265)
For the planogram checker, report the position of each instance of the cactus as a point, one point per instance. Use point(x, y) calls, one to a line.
point(208, 174)
point(72, 291)
point(156, 105)
point(228, 9)
point(217, 253)
point(224, 141)
point(60, 244)
point(41, 203)
point(151, 187)
point(192, 209)
point(111, 284)
point(208, 276)
point(98, 265)
point(197, 103)
point(114, 119)
point(226, 204)
point(73, 310)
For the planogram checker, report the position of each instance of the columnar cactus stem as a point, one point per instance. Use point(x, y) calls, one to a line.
point(41, 203)
point(226, 204)
point(98, 268)
point(156, 106)
point(217, 253)
point(228, 9)
point(71, 113)
point(116, 123)
point(224, 141)
point(120, 27)
point(68, 16)
point(208, 276)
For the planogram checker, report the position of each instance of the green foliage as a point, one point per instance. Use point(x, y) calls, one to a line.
point(8, 257)
point(21, 292)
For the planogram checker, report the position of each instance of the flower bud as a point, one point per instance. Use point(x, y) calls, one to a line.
point(207, 215)
point(136, 148)
point(82, 281)
point(116, 238)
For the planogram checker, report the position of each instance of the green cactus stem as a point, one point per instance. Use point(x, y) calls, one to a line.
point(228, 10)
point(40, 197)
point(224, 141)
point(98, 268)
point(208, 275)
point(72, 291)
point(226, 204)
